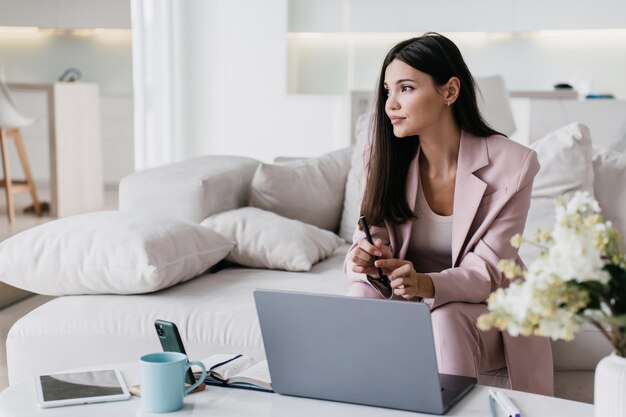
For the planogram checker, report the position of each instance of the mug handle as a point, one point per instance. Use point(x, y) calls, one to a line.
point(199, 380)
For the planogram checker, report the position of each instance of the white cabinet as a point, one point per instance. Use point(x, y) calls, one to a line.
point(420, 16)
point(416, 16)
point(533, 15)
point(66, 14)
point(75, 145)
point(535, 118)
point(399, 16)
point(39, 13)
point(316, 16)
point(111, 14)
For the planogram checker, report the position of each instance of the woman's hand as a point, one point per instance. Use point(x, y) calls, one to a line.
point(405, 282)
point(363, 256)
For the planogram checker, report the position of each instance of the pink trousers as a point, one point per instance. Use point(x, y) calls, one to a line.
point(462, 349)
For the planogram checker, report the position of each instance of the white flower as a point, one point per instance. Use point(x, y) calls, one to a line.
point(561, 325)
point(580, 203)
point(574, 256)
point(548, 301)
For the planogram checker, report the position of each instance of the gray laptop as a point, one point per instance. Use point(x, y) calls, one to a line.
point(356, 350)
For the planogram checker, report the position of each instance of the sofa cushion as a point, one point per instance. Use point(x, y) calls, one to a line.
point(109, 252)
point(610, 185)
point(267, 240)
point(214, 313)
point(190, 190)
point(310, 190)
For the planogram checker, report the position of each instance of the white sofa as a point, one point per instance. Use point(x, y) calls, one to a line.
point(215, 312)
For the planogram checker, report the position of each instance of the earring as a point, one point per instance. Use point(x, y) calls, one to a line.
point(448, 103)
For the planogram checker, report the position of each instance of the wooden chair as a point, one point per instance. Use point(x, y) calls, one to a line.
point(11, 121)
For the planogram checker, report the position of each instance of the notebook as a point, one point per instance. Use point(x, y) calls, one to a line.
point(356, 350)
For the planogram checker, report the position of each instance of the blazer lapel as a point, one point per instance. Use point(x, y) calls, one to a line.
point(468, 189)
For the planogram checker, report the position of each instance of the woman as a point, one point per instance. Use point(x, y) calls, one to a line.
point(445, 193)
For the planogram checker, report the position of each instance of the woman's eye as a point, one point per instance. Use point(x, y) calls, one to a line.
point(406, 88)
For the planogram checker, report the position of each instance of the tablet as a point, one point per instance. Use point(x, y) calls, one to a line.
point(82, 387)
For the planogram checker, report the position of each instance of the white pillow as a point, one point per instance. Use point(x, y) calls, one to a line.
point(355, 181)
point(565, 158)
point(109, 252)
point(541, 215)
point(267, 240)
point(310, 190)
point(619, 146)
point(194, 188)
point(610, 185)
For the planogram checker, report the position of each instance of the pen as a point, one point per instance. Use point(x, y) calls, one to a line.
point(492, 411)
point(368, 236)
point(512, 409)
point(505, 403)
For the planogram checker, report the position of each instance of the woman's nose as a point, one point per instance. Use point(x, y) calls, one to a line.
point(392, 103)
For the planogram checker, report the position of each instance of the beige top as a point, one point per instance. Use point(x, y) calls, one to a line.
point(430, 248)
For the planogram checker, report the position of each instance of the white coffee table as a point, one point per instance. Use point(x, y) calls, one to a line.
point(19, 401)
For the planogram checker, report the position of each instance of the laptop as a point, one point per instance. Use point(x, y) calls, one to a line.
point(356, 350)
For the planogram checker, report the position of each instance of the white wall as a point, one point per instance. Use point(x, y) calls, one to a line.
point(233, 77)
point(316, 124)
point(223, 89)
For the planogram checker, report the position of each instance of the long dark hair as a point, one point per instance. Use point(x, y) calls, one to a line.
point(384, 197)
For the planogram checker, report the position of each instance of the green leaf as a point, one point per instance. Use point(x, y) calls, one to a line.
point(617, 288)
point(594, 287)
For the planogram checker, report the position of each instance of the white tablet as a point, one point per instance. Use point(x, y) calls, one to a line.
point(69, 388)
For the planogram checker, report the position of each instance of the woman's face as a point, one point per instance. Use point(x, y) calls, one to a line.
point(414, 103)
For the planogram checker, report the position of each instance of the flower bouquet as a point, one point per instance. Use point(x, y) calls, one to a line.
point(580, 275)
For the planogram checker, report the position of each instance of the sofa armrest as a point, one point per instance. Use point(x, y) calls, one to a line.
point(190, 190)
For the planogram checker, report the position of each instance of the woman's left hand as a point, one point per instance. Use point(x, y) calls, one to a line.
point(405, 282)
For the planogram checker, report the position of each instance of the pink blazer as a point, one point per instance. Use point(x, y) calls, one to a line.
point(491, 201)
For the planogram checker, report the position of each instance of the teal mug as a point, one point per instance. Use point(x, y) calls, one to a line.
point(162, 379)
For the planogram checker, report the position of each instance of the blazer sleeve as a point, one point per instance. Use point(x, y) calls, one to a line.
point(477, 274)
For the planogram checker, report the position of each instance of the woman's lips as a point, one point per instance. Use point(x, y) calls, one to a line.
point(396, 120)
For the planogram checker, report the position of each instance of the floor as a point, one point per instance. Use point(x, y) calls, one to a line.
point(12, 313)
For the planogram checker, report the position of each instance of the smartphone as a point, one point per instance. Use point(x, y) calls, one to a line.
point(383, 278)
point(171, 342)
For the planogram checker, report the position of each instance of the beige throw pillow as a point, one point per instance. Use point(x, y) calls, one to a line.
point(267, 240)
point(310, 190)
point(109, 252)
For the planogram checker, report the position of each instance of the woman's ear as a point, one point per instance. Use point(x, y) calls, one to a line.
point(451, 90)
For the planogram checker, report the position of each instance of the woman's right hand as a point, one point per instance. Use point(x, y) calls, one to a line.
point(362, 256)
